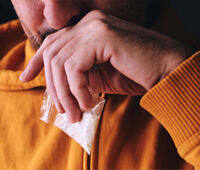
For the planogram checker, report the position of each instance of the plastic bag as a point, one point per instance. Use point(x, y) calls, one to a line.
point(82, 132)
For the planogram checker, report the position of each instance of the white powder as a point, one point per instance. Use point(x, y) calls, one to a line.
point(82, 132)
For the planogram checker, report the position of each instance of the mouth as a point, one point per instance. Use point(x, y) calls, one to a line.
point(73, 21)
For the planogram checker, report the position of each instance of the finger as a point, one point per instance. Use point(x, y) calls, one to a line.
point(65, 97)
point(48, 54)
point(49, 81)
point(76, 68)
point(92, 16)
point(36, 63)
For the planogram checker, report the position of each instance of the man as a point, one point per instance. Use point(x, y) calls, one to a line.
point(84, 43)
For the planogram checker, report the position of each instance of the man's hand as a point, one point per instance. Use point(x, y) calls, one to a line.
point(108, 54)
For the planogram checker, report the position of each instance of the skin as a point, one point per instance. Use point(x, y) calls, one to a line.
point(83, 43)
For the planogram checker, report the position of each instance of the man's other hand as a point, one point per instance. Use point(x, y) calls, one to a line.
point(108, 54)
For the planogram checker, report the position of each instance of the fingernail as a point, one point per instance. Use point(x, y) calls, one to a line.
point(73, 118)
point(59, 108)
point(22, 76)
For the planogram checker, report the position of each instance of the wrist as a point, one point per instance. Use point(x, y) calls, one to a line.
point(175, 58)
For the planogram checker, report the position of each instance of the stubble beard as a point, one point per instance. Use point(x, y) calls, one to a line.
point(37, 38)
point(137, 17)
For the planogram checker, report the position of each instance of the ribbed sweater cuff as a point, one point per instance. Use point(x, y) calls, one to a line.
point(175, 103)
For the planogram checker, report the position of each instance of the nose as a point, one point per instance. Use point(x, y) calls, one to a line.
point(58, 13)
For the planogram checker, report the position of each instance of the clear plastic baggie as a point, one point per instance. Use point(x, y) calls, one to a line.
point(82, 132)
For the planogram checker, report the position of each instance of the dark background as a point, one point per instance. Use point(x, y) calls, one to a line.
point(188, 11)
point(7, 12)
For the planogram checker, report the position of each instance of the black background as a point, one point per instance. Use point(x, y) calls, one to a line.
point(189, 13)
point(7, 12)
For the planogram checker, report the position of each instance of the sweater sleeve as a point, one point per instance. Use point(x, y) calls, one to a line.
point(175, 103)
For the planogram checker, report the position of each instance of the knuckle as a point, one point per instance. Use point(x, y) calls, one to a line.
point(46, 53)
point(50, 38)
point(96, 23)
point(97, 14)
point(69, 66)
point(99, 26)
point(56, 62)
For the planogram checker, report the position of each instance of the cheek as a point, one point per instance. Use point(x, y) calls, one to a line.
point(30, 12)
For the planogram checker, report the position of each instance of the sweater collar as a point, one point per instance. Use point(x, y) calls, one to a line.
point(12, 65)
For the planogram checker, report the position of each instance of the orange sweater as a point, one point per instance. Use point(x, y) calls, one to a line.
point(128, 137)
